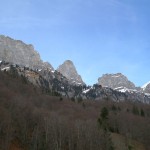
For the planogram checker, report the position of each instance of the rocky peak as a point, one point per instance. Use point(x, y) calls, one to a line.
point(17, 52)
point(68, 70)
point(115, 81)
point(146, 87)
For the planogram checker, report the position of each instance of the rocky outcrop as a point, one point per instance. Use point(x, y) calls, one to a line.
point(49, 81)
point(17, 52)
point(115, 81)
point(47, 65)
point(68, 70)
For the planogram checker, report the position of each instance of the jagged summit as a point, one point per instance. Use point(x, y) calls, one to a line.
point(17, 52)
point(68, 70)
point(145, 85)
point(115, 81)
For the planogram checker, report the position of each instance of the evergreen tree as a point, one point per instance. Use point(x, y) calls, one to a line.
point(135, 110)
point(142, 113)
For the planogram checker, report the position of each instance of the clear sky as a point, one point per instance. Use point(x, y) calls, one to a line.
point(99, 36)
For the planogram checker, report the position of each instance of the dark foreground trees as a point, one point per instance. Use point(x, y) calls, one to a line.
point(31, 120)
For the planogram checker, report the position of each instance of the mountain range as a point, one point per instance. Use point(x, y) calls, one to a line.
point(65, 80)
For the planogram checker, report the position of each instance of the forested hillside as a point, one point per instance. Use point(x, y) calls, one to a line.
point(31, 119)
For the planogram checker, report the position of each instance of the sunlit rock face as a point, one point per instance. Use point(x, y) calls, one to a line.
point(17, 52)
point(115, 81)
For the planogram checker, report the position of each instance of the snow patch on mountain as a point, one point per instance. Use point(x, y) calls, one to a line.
point(5, 68)
point(124, 89)
point(116, 76)
point(85, 91)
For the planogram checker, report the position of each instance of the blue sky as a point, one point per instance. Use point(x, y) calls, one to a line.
point(99, 36)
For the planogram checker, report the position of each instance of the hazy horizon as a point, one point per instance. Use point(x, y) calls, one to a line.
point(98, 36)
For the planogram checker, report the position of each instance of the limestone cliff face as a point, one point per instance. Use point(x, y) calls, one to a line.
point(17, 52)
point(115, 80)
point(68, 70)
